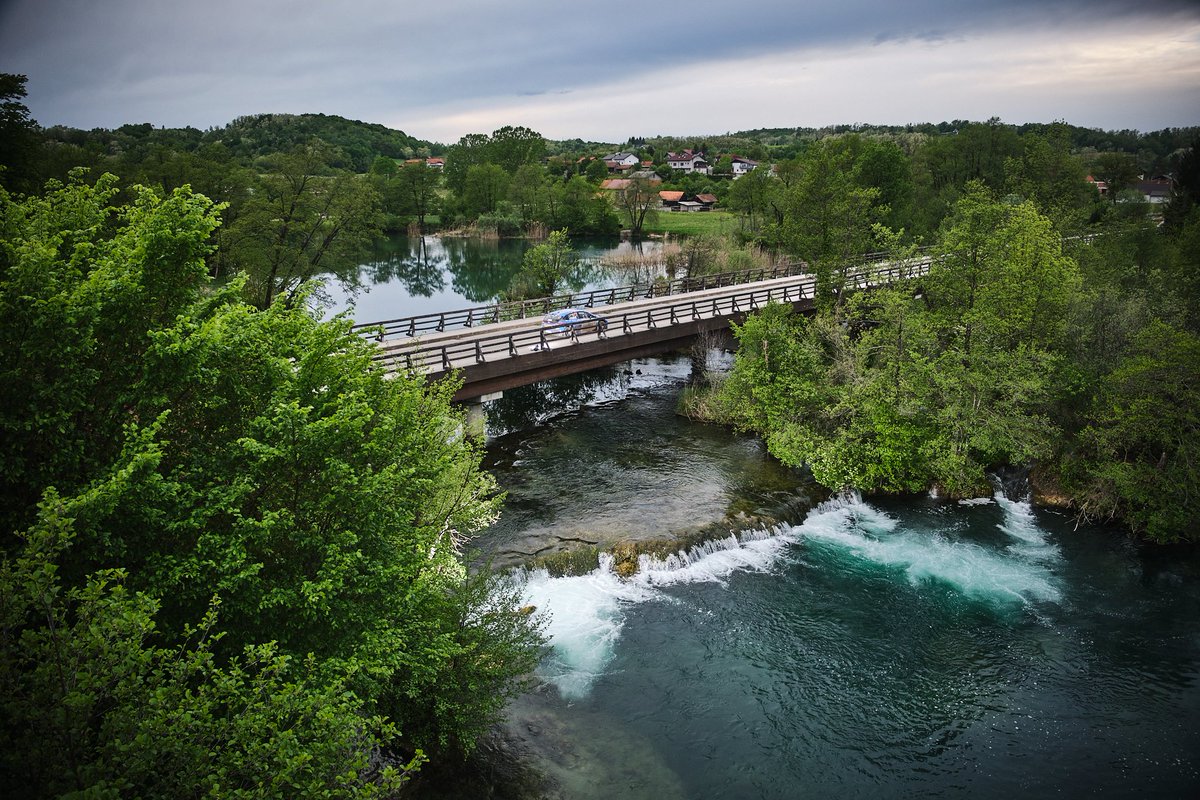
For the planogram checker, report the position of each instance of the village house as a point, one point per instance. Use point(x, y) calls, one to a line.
point(435, 162)
point(621, 162)
point(1155, 190)
point(688, 161)
point(742, 165)
point(670, 200)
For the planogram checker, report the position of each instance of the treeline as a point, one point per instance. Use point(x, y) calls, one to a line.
point(1056, 329)
point(1154, 151)
point(231, 547)
point(246, 139)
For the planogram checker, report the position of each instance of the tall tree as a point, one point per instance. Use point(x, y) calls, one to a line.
point(1140, 453)
point(637, 202)
point(208, 448)
point(417, 187)
point(486, 186)
point(304, 218)
point(829, 219)
point(513, 147)
point(20, 144)
point(528, 191)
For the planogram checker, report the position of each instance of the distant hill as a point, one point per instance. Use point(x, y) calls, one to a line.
point(262, 134)
point(248, 138)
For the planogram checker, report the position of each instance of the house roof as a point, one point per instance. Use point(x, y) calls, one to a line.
point(1157, 187)
point(706, 198)
point(670, 197)
point(615, 183)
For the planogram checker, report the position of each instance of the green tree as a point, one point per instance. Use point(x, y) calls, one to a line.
point(758, 198)
point(829, 220)
point(544, 267)
point(527, 192)
point(893, 393)
point(637, 202)
point(514, 147)
point(20, 143)
point(1118, 170)
point(1050, 176)
point(596, 171)
point(471, 150)
point(486, 186)
point(1140, 452)
point(255, 455)
point(304, 218)
point(575, 206)
point(417, 187)
point(95, 704)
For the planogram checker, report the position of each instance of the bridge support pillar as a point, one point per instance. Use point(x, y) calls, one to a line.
point(476, 417)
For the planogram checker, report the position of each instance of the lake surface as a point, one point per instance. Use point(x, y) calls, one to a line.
point(866, 648)
point(409, 276)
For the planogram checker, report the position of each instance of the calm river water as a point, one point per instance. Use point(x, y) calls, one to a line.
point(408, 276)
point(859, 648)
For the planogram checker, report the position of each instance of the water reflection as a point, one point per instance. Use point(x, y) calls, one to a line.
point(406, 276)
point(411, 262)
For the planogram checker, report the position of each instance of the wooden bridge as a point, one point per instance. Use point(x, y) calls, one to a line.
point(501, 347)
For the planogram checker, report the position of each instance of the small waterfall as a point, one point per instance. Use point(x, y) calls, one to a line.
point(714, 560)
point(1012, 482)
point(924, 555)
point(586, 613)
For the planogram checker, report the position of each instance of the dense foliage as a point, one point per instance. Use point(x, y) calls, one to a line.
point(224, 524)
point(231, 561)
point(1018, 347)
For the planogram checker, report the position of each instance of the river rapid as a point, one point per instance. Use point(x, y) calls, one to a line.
point(812, 646)
point(832, 647)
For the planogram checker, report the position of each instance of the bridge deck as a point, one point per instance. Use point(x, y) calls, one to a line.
point(501, 355)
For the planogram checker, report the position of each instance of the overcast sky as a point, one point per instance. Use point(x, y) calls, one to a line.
point(607, 71)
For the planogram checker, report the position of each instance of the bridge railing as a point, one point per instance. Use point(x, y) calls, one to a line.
point(502, 312)
point(445, 356)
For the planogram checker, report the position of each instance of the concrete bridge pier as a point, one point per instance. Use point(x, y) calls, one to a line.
point(476, 417)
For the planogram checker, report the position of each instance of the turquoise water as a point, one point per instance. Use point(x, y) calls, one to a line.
point(870, 649)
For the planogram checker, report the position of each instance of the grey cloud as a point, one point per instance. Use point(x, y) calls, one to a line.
point(103, 64)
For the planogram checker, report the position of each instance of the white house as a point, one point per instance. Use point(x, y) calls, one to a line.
point(619, 162)
point(1155, 190)
point(687, 161)
point(742, 165)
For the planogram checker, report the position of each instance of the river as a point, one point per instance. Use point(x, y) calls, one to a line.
point(860, 648)
point(815, 646)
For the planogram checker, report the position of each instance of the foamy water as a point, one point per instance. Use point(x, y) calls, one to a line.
point(585, 614)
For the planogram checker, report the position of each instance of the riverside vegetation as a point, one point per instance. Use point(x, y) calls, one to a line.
point(1080, 358)
point(232, 562)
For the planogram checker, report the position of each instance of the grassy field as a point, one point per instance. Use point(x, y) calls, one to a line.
point(718, 222)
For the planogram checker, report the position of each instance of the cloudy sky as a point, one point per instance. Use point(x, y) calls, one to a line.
point(607, 71)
